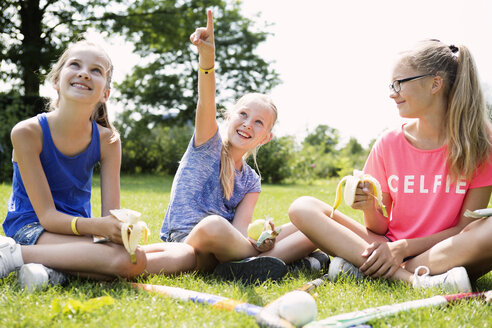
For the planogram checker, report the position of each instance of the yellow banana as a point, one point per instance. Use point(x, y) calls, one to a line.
point(351, 183)
point(131, 229)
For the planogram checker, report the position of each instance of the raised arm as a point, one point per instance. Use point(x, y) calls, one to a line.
point(205, 119)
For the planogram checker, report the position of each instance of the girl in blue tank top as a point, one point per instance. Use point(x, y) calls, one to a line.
point(214, 191)
point(49, 212)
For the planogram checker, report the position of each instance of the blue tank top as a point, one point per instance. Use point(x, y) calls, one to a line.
point(69, 178)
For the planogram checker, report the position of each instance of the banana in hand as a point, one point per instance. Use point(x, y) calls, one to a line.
point(351, 183)
point(131, 229)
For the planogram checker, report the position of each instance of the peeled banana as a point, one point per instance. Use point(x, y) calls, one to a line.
point(131, 229)
point(351, 183)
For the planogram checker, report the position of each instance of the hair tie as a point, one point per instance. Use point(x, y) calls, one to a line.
point(453, 48)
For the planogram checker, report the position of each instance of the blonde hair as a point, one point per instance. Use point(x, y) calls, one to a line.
point(100, 113)
point(227, 167)
point(466, 124)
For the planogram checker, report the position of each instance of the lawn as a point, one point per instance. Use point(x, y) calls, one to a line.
point(150, 196)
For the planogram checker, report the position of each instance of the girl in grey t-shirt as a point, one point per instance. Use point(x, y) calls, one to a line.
point(214, 191)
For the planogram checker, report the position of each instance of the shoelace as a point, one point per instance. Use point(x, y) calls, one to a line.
point(418, 278)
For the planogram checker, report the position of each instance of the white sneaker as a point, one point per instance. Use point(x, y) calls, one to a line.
point(34, 275)
point(10, 256)
point(340, 267)
point(455, 280)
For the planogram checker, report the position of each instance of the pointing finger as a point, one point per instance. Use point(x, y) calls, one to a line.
point(210, 22)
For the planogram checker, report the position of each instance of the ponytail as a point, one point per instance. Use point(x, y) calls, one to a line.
point(227, 170)
point(467, 128)
point(466, 123)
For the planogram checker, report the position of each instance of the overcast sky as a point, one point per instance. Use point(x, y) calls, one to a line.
point(335, 57)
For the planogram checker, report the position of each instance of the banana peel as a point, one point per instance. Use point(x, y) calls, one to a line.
point(351, 183)
point(267, 232)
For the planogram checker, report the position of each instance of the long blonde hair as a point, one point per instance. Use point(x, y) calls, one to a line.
point(466, 123)
point(100, 113)
point(227, 167)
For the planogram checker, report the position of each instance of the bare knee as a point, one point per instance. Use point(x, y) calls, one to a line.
point(187, 258)
point(208, 231)
point(302, 209)
point(123, 266)
point(480, 232)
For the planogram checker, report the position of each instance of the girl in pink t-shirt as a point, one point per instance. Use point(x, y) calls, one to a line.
point(431, 170)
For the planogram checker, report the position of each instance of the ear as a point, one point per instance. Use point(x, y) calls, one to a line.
point(267, 138)
point(56, 85)
point(105, 95)
point(437, 84)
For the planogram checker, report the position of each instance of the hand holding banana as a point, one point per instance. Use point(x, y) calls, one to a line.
point(351, 183)
point(131, 229)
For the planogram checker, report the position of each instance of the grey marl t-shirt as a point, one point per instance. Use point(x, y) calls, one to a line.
point(196, 191)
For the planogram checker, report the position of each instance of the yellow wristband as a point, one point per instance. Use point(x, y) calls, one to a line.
point(206, 71)
point(74, 226)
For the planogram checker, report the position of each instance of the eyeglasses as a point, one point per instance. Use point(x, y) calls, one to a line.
point(396, 85)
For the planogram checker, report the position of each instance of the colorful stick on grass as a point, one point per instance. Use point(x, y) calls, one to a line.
point(215, 301)
point(359, 317)
point(268, 316)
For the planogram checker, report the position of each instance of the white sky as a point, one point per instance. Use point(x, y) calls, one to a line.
point(335, 57)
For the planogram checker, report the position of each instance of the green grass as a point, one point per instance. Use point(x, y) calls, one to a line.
point(150, 196)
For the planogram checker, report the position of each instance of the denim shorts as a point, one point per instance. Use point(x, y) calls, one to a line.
point(177, 237)
point(29, 234)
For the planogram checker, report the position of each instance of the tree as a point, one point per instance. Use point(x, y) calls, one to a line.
point(163, 88)
point(353, 147)
point(34, 32)
point(323, 137)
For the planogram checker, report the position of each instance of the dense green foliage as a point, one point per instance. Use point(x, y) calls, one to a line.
point(156, 148)
point(33, 34)
point(274, 159)
point(152, 150)
point(149, 194)
point(14, 108)
point(160, 93)
point(163, 87)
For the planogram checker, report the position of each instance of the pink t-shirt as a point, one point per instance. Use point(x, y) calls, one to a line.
point(424, 199)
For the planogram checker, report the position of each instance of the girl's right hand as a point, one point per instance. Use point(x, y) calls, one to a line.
point(267, 245)
point(364, 199)
point(111, 228)
point(203, 39)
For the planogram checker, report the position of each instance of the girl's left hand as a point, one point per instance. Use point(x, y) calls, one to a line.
point(110, 227)
point(267, 245)
point(203, 38)
point(383, 259)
